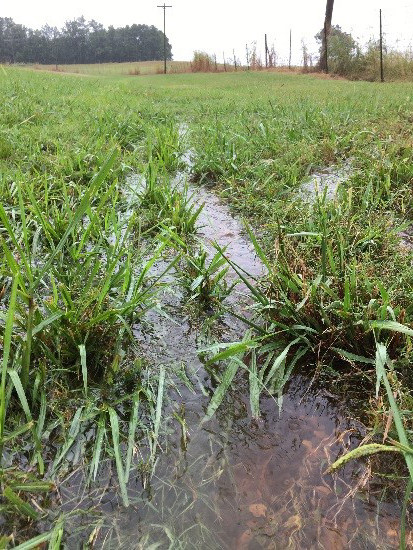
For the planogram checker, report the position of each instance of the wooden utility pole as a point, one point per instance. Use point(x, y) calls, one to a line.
point(381, 50)
point(289, 59)
point(164, 35)
point(325, 49)
point(266, 53)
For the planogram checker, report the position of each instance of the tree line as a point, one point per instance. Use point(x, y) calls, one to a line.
point(80, 41)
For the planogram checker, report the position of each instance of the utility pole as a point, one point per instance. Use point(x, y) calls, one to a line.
point(248, 57)
point(164, 35)
point(289, 59)
point(225, 65)
point(381, 50)
point(235, 60)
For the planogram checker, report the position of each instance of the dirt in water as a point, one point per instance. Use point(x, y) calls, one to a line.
point(234, 482)
point(406, 238)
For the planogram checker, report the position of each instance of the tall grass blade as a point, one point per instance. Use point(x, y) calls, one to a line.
point(94, 465)
point(114, 422)
point(6, 353)
point(35, 542)
point(131, 437)
point(158, 412)
point(254, 386)
point(23, 507)
point(82, 351)
point(380, 366)
point(73, 432)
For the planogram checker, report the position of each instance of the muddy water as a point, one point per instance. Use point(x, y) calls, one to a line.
point(325, 181)
point(235, 482)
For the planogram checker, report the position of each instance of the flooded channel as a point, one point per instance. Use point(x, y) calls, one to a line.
point(235, 482)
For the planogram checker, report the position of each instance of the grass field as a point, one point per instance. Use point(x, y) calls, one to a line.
point(117, 69)
point(79, 244)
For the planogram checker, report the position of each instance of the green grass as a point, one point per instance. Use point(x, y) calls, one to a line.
point(79, 243)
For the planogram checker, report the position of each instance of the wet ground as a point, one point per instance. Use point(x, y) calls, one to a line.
point(235, 482)
point(325, 181)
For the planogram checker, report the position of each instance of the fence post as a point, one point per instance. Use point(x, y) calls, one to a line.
point(381, 50)
point(289, 59)
point(266, 53)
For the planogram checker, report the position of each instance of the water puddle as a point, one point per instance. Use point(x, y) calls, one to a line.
point(406, 238)
point(325, 181)
point(235, 482)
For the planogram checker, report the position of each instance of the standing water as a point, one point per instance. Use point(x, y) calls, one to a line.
point(235, 482)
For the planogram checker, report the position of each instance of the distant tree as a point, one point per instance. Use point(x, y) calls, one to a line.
point(80, 41)
point(343, 50)
point(326, 31)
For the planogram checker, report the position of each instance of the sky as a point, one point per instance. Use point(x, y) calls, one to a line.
point(218, 26)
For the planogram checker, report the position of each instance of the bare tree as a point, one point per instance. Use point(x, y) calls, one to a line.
point(326, 32)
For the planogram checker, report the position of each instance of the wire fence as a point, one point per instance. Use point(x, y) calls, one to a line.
point(289, 50)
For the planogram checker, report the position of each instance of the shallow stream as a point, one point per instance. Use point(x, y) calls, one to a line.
point(235, 482)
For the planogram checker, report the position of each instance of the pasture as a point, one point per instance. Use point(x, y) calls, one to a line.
point(205, 302)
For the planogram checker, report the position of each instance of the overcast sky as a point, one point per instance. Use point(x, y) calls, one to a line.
point(221, 25)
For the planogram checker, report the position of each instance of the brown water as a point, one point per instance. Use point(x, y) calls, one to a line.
point(235, 482)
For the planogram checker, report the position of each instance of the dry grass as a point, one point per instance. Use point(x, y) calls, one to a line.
point(116, 69)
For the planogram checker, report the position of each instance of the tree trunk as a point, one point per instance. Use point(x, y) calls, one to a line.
point(326, 32)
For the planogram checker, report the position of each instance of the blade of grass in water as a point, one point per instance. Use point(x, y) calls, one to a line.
point(131, 437)
point(25, 406)
point(82, 351)
point(158, 413)
point(114, 422)
point(94, 465)
point(73, 432)
point(24, 508)
point(35, 542)
point(381, 360)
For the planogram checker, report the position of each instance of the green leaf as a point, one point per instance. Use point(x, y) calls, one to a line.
point(34, 542)
point(232, 349)
point(363, 450)
point(116, 448)
point(6, 352)
point(82, 351)
point(393, 326)
point(23, 507)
